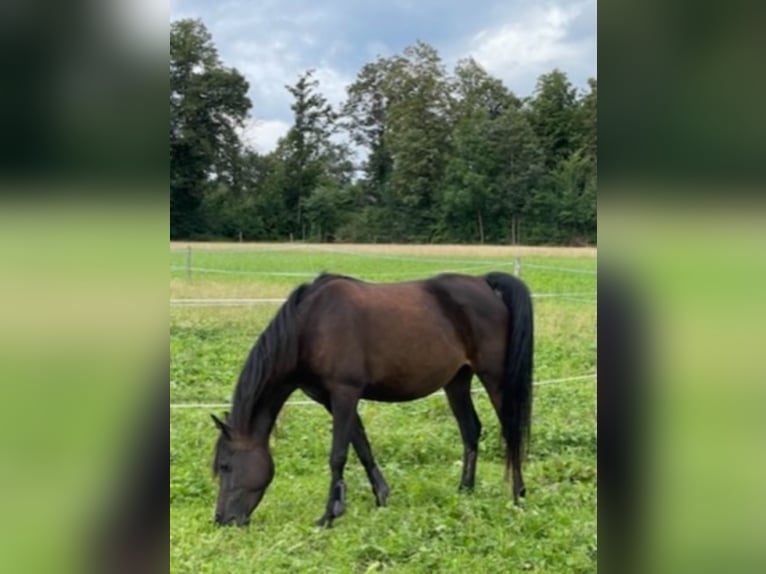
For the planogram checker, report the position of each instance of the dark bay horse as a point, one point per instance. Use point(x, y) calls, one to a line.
point(341, 340)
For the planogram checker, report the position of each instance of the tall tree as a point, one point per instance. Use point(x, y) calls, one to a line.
point(364, 117)
point(398, 111)
point(564, 209)
point(553, 115)
point(418, 139)
point(492, 173)
point(470, 201)
point(495, 159)
point(589, 120)
point(208, 102)
point(474, 91)
point(522, 166)
point(309, 158)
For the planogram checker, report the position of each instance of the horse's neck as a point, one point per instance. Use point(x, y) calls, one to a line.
point(267, 409)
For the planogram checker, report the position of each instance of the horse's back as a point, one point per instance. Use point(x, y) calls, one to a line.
point(402, 340)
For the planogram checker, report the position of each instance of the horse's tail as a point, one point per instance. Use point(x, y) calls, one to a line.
point(516, 406)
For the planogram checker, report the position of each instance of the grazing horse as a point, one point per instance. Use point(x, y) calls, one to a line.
point(341, 340)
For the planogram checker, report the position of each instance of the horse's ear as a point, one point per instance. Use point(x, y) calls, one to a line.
point(222, 426)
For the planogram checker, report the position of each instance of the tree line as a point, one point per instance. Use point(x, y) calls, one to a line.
point(414, 154)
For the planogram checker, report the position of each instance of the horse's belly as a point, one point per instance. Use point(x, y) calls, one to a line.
point(408, 386)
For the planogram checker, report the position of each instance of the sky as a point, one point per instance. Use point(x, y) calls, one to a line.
point(272, 42)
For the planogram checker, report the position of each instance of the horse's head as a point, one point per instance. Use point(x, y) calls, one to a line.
point(244, 472)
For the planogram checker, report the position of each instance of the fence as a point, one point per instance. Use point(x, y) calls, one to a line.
point(223, 405)
point(466, 266)
point(517, 264)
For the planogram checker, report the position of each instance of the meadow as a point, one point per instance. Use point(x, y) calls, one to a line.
point(428, 526)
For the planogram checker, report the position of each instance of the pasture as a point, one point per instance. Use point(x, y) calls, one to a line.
point(428, 526)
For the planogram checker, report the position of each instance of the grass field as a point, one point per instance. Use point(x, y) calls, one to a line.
point(427, 526)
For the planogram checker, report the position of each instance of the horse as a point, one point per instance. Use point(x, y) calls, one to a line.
point(340, 340)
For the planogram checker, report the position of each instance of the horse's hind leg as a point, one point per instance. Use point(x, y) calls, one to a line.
point(493, 385)
point(459, 395)
point(364, 452)
point(362, 447)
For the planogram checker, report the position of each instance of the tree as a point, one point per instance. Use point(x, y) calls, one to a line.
point(522, 167)
point(492, 172)
point(474, 90)
point(564, 209)
point(553, 116)
point(494, 163)
point(252, 209)
point(448, 157)
point(364, 117)
point(208, 102)
point(588, 119)
point(418, 139)
point(308, 159)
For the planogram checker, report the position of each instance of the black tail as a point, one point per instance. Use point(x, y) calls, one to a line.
point(516, 406)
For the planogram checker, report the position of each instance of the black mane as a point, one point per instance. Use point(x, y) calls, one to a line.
point(274, 354)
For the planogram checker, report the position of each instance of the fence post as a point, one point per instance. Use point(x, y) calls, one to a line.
point(188, 262)
point(517, 267)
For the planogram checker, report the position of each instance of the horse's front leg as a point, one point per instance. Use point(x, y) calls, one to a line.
point(344, 403)
point(361, 445)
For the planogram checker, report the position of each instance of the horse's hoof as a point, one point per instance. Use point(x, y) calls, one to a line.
point(379, 488)
point(324, 522)
point(381, 496)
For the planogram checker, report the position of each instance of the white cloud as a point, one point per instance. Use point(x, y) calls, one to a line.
point(533, 44)
point(271, 47)
point(332, 84)
point(270, 67)
point(263, 135)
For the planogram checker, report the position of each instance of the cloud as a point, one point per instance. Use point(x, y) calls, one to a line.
point(272, 49)
point(263, 135)
point(536, 41)
point(332, 84)
point(273, 43)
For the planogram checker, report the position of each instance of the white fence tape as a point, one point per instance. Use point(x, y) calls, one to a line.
point(269, 300)
point(559, 269)
point(474, 265)
point(439, 394)
point(244, 272)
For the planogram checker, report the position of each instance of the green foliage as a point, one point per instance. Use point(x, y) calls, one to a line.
point(417, 139)
point(428, 526)
point(447, 157)
point(310, 168)
point(208, 102)
point(588, 118)
point(325, 210)
point(568, 200)
point(553, 115)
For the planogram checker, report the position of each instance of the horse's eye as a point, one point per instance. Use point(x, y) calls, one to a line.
point(225, 468)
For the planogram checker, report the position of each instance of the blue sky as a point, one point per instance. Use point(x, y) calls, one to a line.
point(271, 42)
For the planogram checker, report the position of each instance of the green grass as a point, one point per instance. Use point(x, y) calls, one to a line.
point(427, 526)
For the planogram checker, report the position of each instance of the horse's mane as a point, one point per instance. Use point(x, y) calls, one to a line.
point(274, 354)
